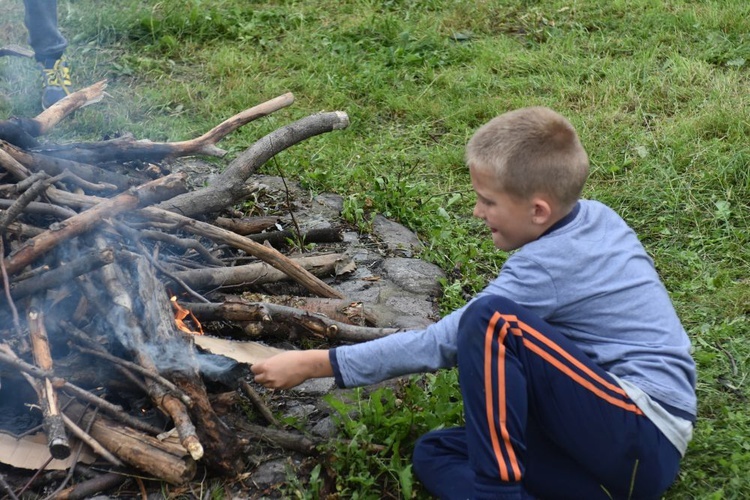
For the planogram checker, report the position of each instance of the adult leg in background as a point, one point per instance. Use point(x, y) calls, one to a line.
point(44, 36)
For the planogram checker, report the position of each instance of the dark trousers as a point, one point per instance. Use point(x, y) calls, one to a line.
point(542, 420)
point(44, 36)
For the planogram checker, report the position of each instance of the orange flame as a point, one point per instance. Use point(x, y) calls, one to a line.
point(180, 313)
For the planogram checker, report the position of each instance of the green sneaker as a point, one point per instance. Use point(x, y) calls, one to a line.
point(57, 83)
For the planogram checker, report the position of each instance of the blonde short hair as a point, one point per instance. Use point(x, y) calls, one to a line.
point(532, 151)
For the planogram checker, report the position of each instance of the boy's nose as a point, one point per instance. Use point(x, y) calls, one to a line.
point(477, 212)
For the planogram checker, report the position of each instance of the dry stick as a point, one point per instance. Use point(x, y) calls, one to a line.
point(42, 183)
point(6, 290)
point(89, 488)
point(231, 186)
point(23, 230)
point(7, 488)
point(284, 439)
point(316, 323)
point(250, 225)
point(43, 209)
point(13, 166)
point(258, 403)
point(269, 255)
point(320, 235)
point(91, 442)
point(26, 183)
point(54, 426)
point(62, 108)
point(72, 469)
point(36, 161)
point(63, 274)
point(298, 232)
point(136, 236)
point(140, 196)
point(8, 357)
point(185, 243)
point(128, 150)
point(257, 273)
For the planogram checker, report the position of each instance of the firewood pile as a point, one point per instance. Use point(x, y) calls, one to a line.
point(110, 265)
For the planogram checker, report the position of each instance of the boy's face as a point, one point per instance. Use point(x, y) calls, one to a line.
point(513, 221)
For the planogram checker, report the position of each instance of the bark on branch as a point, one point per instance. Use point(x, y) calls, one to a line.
point(127, 149)
point(141, 196)
point(231, 186)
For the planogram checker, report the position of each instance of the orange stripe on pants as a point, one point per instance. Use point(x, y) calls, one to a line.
point(489, 402)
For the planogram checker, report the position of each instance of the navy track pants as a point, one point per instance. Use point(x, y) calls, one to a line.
point(542, 420)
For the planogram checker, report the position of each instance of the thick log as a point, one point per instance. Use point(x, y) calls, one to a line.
point(128, 149)
point(248, 225)
point(163, 460)
point(141, 196)
point(257, 273)
point(129, 331)
point(221, 451)
point(231, 187)
point(273, 314)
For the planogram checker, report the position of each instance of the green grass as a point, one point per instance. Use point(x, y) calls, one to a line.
point(658, 91)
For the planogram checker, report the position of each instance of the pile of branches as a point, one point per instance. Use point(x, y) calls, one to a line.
point(97, 255)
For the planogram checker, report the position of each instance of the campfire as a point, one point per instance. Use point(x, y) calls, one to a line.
point(112, 268)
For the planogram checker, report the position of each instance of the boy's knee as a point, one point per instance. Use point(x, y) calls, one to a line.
point(479, 314)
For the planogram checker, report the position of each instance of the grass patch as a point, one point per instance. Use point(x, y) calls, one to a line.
point(657, 90)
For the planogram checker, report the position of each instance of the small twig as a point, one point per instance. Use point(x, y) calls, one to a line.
point(42, 182)
point(181, 243)
point(7, 488)
point(87, 439)
point(93, 444)
point(258, 403)
point(6, 289)
point(33, 478)
point(136, 236)
point(298, 231)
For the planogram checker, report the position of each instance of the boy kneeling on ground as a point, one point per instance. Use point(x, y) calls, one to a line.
point(575, 370)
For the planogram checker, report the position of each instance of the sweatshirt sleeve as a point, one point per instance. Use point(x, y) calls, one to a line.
point(397, 354)
point(434, 347)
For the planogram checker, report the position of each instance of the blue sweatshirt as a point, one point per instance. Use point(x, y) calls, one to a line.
point(590, 277)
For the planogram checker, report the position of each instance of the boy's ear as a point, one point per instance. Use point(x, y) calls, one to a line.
point(541, 211)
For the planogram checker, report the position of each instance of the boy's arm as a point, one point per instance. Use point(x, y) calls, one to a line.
point(291, 368)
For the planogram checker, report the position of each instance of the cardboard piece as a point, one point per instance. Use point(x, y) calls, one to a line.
point(243, 352)
point(31, 452)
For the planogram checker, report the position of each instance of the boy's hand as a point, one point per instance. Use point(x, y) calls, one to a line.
point(291, 368)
